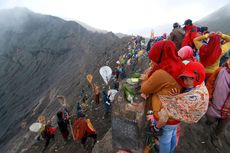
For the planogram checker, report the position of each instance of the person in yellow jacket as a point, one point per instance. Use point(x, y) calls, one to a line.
point(211, 49)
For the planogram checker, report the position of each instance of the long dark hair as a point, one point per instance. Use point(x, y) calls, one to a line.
point(60, 115)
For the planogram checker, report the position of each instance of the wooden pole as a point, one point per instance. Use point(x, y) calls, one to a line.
point(63, 102)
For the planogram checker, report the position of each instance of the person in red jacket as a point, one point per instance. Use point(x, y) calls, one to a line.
point(48, 134)
point(191, 32)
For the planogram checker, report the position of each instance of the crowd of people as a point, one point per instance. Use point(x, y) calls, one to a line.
point(188, 76)
point(76, 126)
point(185, 62)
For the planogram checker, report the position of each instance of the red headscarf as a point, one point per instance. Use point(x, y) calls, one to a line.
point(190, 34)
point(164, 54)
point(195, 70)
point(211, 52)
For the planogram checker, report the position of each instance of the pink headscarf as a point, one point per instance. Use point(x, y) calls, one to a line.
point(164, 35)
point(186, 53)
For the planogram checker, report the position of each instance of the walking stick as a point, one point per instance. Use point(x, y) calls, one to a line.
point(71, 128)
point(62, 101)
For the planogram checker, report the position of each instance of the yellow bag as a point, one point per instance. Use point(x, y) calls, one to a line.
point(90, 125)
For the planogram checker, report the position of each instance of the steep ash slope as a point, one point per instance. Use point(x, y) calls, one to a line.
point(42, 56)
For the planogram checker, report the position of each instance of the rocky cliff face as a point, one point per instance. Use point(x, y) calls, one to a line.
point(42, 56)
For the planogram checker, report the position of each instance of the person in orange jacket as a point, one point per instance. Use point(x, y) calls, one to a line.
point(83, 129)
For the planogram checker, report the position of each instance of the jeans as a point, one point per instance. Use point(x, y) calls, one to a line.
point(168, 139)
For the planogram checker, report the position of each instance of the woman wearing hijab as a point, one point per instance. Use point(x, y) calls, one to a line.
point(186, 53)
point(194, 96)
point(211, 53)
point(166, 67)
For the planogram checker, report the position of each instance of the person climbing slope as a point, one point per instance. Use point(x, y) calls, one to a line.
point(96, 94)
point(107, 104)
point(63, 125)
point(83, 129)
point(48, 133)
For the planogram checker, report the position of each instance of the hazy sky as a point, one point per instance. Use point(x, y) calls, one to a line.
point(125, 16)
